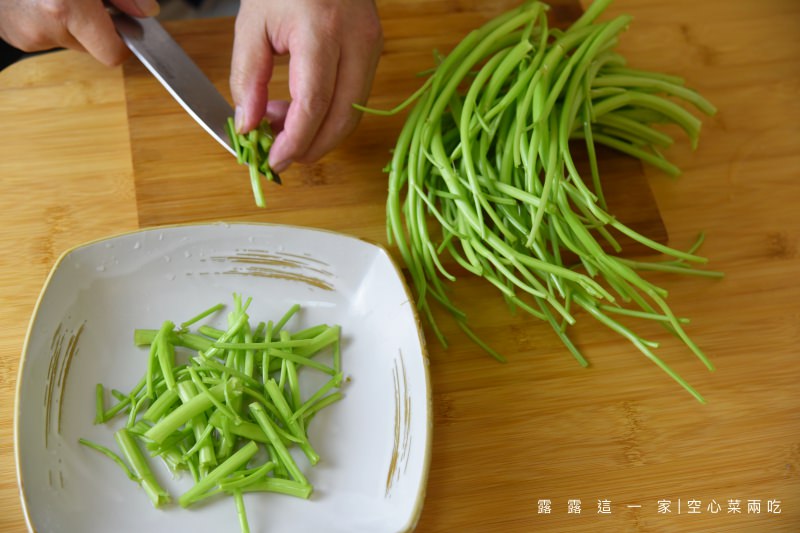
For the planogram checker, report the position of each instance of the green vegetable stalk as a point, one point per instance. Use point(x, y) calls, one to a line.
point(139, 465)
point(206, 406)
point(252, 149)
point(483, 181)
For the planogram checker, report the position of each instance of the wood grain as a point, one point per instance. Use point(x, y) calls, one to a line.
point(65, 178)
point(539, 427)
point(182, 175)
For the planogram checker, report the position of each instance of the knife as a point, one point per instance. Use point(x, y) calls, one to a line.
point(175, 70)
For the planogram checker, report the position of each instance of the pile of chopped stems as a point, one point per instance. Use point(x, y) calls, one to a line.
point(252, 149)
point(483, 174)
point(235, 401)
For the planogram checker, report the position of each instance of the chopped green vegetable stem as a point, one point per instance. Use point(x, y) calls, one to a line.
point(252, 149)
point(200, 316)
point(280, 449)
point(194, 416)
point(233, 463)
point(139, 466)
point(100, 408)
point(244, 526)
point(111, 455)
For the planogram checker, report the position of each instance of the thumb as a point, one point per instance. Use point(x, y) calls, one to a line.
point(251, 69)
point(137, 8)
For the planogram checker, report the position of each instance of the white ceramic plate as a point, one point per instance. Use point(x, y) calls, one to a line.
point(374, 444)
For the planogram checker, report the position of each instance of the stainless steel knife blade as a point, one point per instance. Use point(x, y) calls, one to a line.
point(169, 63)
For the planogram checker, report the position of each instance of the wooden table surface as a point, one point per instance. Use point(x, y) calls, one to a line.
point(75, 165)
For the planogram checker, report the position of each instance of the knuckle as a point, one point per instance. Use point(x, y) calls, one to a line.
point(237, 77)
point(57, 10)
point(372, 33)
point(330, 14)
point(340, 129)
point(113, 59)
point(317, 105)
point(294, 151)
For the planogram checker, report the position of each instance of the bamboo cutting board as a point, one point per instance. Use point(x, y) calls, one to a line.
point(514, 445)
point(183, 175)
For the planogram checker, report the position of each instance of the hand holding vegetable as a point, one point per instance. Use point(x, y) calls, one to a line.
point(34, 25)
point(334, 48)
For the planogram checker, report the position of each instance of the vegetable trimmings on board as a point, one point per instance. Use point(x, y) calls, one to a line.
point(212, 399)
point(483, 177)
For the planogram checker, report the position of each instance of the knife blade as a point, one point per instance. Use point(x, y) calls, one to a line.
point(175, 70)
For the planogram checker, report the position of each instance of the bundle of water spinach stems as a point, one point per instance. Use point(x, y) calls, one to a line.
point(483, 175)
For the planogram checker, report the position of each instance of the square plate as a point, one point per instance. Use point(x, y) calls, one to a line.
point(374, 444)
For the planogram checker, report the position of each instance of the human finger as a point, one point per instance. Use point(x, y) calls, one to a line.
point(357, 67)
point(137, 8)
point(93, 29)
point(313, 69)
point(251, 68)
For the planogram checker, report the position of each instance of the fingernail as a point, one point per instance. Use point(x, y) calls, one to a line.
point(150, 8)
point(238, 119)
point(281, 166)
